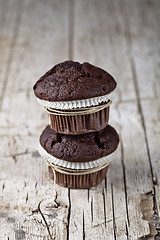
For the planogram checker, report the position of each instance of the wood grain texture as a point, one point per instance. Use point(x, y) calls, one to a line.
point(11, 13)
point(122, 37)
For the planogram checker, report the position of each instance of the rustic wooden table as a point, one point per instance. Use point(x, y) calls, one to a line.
point(121, 36)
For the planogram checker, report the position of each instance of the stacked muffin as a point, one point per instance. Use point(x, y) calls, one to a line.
point(78, 143)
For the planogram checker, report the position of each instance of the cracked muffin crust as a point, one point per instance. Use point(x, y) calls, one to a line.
point(70, 80)
point(80, 148)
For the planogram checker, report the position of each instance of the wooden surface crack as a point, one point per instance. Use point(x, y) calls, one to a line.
point(113, 213)
point(126, 225)
point(44, 219)
point(27, 198)
point(92, 209)
point(88, 194)
point(104, 206)
point(3, 186)
point(83, 224)
point(69, 213)
point(125, 184)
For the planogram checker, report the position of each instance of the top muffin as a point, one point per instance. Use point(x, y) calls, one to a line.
point(70, 80)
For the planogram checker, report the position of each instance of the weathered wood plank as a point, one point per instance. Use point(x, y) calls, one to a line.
point(85, 49)
point(24, 181)
point(141, 27)
point(151, 113)
point(24, 184)
point(136, 168)
point(31, 60)
point(152, 124)
point(10, 19)
point(140, 39)
point(144, 53)
point(20, 218)
point(91, 12)
point(101, 41)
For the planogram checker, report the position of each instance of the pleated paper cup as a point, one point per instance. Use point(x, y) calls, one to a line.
point(77, 175)
point(80, 124)
point(80, 116)
point(79, 181)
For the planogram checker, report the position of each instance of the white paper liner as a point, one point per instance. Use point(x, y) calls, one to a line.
point(76, 165)
point(77, 103)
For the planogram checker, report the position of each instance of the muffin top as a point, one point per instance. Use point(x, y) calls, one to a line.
point(80, 148)
point(70, 81)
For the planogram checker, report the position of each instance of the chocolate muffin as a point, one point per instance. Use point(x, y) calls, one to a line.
point(76, 97)
point(85, 152)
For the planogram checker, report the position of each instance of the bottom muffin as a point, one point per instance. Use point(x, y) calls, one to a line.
point(78, 161)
